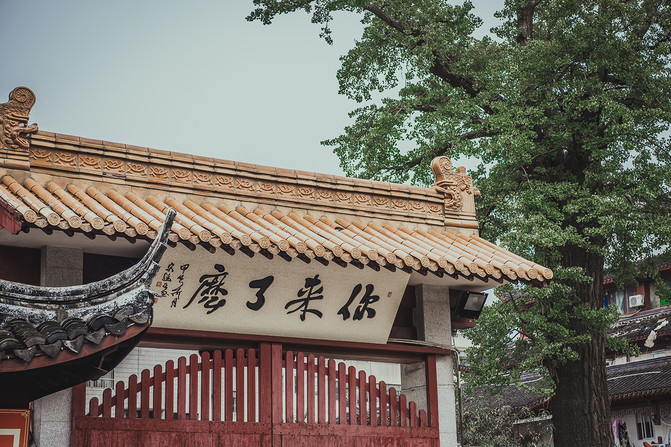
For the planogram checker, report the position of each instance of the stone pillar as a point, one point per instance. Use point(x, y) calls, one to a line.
point(52, 419)
point(61, 267)
point(432, 320)
point(52, 415)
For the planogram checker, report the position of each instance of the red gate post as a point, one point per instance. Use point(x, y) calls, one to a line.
point(251, 385)
point(78, 411)
point(276, 384)
point(274, 395)
point(228, 385)
point(240, 385)
point(79, 400)
point(265, 385)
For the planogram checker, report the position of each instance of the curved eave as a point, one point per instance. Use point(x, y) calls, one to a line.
point(22, 382)
point(40, 324)
point(637, 395)
point(94, 293)
point(8, 218)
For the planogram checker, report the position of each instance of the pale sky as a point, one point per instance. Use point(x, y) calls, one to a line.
point(191, 77)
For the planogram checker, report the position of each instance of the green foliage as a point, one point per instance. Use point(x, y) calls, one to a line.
point(530, 330)
point(568, 106)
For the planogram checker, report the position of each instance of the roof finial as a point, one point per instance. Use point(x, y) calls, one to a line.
point(14, 119)
point(454, 185)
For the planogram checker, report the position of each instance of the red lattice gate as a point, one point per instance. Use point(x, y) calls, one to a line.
point(256, 398)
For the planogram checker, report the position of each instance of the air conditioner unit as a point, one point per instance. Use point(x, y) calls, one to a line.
point(636, 301)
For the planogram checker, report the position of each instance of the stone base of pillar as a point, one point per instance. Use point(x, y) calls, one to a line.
point(52, 420)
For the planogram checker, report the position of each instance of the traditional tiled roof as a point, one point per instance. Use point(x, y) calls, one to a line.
point(512, 396)
point(75, 184)
point(24, 340)
point(633, 380)
point(644, 327)
point(81, 206)
point(640, 379)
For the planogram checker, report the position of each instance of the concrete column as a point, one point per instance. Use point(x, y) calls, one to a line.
point(432, 320)
point(52, 415)
point(61, 267)
point(52, 419)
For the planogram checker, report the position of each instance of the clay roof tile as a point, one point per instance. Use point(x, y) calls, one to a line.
point(287, 233)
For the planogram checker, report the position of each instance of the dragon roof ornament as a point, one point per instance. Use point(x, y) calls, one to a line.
point(457, 186)
point(14, 115)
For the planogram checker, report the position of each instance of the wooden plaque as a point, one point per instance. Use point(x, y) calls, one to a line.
point(14, 428)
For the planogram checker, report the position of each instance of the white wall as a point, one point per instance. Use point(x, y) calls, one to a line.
point(629, 418)
point(138, 360)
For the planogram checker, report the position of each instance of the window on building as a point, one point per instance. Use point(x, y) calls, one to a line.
point(644, 426)
point(619, 299)
point(106, 381)
point(616, 300)
point(666, 301)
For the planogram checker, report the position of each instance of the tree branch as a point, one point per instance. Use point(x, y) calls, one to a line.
point(441, 65)
point(525, 22)
point(442, 70)
point(389, 20)
point(479, 133)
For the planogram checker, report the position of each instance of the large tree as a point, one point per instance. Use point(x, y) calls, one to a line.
point(567, 104)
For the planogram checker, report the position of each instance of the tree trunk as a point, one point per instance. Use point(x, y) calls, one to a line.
point(579, 421)
point(581, 405)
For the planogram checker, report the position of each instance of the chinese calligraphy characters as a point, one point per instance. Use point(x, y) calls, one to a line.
point(211, 290)
point(306, 295)
point(363, 307)
point(262, 285)
point(177, 291)
point(166, 281)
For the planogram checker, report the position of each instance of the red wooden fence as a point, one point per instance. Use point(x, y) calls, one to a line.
point(264, 398)
point(207, 388)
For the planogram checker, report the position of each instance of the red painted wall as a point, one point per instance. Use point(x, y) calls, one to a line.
point(97, 267)
point(20, 264)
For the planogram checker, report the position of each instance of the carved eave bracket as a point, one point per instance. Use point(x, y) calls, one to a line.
point(14, 115)
point(457, 187)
